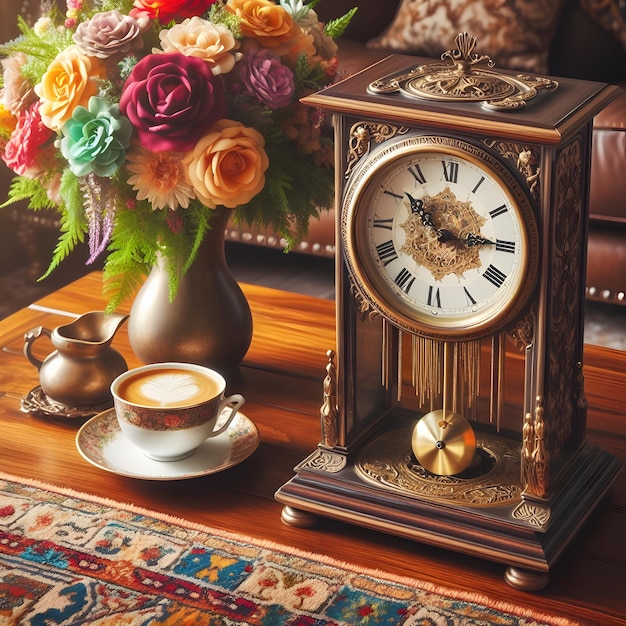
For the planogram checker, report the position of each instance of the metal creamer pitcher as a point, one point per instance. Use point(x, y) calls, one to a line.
point(81, 369)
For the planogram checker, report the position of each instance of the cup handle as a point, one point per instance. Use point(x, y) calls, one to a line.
point(236, 400)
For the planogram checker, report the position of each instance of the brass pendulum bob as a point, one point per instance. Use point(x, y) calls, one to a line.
point(443, 441)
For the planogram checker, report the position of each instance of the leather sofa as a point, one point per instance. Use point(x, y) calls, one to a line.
point(580, 48)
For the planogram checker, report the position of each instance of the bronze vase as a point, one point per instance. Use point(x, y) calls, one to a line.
point(208, 323)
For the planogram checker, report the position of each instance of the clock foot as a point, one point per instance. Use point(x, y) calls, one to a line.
point(526, 580)
point(297, 518)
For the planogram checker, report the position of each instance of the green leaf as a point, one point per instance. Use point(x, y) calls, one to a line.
point(335, 28)
point(30, 190)
point(73, 222)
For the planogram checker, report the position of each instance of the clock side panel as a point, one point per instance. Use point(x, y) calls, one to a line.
point(361, 394)
point(560, 408)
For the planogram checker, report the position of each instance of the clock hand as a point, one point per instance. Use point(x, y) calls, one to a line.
point(417, 206)
point(471, 240)
point(476, 240)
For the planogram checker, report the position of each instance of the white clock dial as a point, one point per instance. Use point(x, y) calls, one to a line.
point(436, 236)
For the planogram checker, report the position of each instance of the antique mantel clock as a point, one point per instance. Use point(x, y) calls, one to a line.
point(454, 408)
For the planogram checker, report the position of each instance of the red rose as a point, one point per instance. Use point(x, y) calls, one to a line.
point(171, 99)
point(30, 150)
point(167, 10)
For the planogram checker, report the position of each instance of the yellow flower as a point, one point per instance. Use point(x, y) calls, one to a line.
point(8, 122)
point(227, 166)
point(68, 83)
point(264, 21)
point(160, 177)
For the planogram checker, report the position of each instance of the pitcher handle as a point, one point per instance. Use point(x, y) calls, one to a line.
point(29, 339)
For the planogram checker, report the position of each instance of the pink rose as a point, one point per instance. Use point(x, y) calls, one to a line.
point(18, 92)
point(266, 78)
point(108, 34)
point(30, 150)
point(171, 99)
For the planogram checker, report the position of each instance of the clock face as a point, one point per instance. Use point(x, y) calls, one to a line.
point(440, 237)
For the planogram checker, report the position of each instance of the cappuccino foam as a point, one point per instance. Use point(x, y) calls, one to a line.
point(168, 387)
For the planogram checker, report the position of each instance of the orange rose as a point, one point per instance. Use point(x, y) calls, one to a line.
point(227, 166)
point(68, 83)
point(264, 21)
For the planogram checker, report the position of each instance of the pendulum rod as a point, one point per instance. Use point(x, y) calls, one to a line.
point(497, 376)
point(399, 367)
point(449, 377)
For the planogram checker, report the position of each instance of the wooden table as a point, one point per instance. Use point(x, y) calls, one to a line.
point(281, 378)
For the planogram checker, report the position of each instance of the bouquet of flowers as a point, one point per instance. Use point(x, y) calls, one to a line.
point(138, 119)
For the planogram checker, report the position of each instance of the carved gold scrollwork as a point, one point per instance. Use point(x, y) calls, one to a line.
point(387, 463)
point(362, 134)
point(528, 165)
point(463, 75)
point(326, 461)
point(363, 305)
point(329, 412)
point(523, 333)
point(535, 458)
point(532, 513)
point(525, 159)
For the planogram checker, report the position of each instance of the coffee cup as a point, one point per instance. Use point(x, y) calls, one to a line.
point(168, 409)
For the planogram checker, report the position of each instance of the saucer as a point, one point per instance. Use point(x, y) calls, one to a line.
point(37, 402)
point(101, 442)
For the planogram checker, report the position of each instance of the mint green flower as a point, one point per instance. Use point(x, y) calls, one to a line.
point(95, 139)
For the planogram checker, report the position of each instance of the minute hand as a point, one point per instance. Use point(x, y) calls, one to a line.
point(471, 240)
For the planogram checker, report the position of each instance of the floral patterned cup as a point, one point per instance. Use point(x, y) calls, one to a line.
point(168, 409)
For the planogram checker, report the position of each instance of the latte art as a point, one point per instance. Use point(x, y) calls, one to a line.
point(168, 388)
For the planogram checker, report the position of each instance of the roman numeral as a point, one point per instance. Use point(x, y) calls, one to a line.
point(478, 184)
point(434, 297)
point(393, 194)
point(404, 280)
point(416, 172)
point(469, 296)
point(494, 276)
point(498, 211)
point(386, 223)
point(386, 252)
point(450, 171)
point(505, 246)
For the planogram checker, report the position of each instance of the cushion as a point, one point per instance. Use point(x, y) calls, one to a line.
point(610, 14)
point(516, 34)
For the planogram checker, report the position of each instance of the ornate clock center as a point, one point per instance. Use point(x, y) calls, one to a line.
point(441, 248)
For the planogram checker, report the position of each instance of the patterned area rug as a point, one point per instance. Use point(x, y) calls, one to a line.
point(69, 558)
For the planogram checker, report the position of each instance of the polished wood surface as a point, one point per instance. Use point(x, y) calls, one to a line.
point(281, 378)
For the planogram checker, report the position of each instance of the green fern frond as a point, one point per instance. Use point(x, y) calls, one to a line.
point(121, 281)
point(73, 222)
point(30, 190)
point(123, 6)
point(336, 28)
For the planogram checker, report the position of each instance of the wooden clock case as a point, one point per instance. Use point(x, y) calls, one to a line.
point(538, 480)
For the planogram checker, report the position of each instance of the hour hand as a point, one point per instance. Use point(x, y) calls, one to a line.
point(417, 207)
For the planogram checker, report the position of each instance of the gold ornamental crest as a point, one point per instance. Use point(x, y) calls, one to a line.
point(465, 76)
